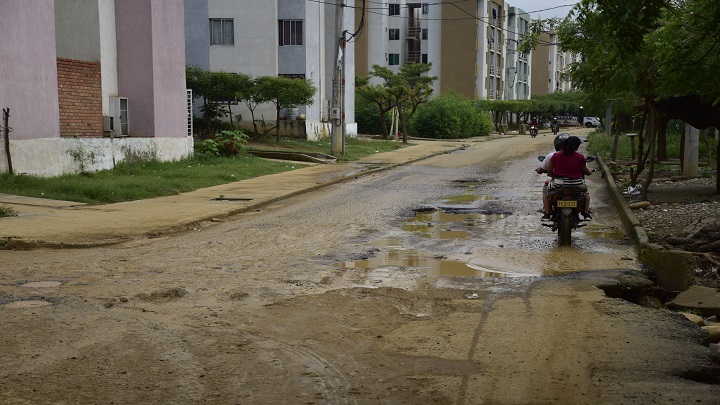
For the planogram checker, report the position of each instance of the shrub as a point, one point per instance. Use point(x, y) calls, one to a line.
point(226, 143)
point(6, 211)
point(367, 116)
point(450, 116)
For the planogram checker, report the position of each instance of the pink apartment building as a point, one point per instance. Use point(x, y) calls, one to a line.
point(89, 83)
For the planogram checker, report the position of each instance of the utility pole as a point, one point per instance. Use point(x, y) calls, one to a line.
point(337, 106)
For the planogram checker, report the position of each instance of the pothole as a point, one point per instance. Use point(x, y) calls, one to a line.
point(434, 223)
point(42, 284)
point(431, 266)
point(26, 304)
point(468, 198)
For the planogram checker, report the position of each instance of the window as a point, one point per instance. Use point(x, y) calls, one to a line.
point(222, 31)
point(394, 59)
point(424, 33)
point(424, 58)
point(394, 9)
point(290, 32)
point(394, 34)
point(425, 8)
point(292, 75)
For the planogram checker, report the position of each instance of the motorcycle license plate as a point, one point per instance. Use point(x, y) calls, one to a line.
point(567, 203)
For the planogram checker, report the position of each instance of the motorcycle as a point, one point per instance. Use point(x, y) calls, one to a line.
point(555, 128)
point(567, 203)
point(533, 131)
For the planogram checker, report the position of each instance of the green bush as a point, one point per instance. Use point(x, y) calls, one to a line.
point(226, 143)
point(367, 116)
point(450, 116)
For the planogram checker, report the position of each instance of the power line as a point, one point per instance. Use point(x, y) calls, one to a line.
point(486, 20)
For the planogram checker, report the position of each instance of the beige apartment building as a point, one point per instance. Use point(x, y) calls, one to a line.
point(471, 44)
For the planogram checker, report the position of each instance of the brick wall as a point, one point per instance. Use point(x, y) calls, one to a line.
point(80, 98)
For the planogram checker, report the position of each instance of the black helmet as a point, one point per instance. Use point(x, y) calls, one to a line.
point(559, 140)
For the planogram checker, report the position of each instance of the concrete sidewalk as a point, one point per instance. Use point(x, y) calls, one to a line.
point(45, 223)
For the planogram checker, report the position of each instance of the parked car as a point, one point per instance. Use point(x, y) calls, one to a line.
point(591, 122)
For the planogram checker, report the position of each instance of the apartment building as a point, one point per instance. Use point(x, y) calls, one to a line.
point(517, 64)
point(550, 63)
point(471, 44)
point(89, 83)
point(291, 38)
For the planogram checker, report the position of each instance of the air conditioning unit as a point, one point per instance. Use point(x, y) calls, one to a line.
point(119, 114)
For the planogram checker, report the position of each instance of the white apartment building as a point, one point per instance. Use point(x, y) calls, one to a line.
point(517, 64)
point(292, 38)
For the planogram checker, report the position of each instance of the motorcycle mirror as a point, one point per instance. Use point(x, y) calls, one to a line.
point(541, 158)
point(590, 159)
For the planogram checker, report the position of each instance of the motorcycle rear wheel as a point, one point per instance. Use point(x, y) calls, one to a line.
point(565, 230)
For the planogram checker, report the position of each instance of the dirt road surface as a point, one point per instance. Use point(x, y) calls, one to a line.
point(429, 283)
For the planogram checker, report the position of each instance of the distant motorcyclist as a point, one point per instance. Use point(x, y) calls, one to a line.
point(555, 126)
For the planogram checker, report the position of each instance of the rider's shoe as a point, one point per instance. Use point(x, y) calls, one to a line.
point(586, 216)
point(547, 217)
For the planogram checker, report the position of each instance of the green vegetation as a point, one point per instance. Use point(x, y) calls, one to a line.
point(451, 116)
point(355, 147)
point(142, 180)
point(601, 144)
point(404, 91)
point(6, 211)
point(219, 90)
point(226, 143)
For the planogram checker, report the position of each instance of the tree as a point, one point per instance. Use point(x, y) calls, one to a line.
point(376, 94)
point(406, 89)
point(668, 48)
point(217, 89)
point(249, 94)
point(284, 93)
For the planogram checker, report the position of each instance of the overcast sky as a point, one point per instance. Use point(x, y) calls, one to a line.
point(532, 7)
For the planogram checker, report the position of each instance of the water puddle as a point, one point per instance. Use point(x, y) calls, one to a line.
point(429, 266)
point(42, 284)
point(613, 235)
point(27, 304)
point(432, 223)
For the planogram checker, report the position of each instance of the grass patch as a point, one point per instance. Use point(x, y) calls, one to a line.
point(600, 144)
point(355, 148)
point(143, 180)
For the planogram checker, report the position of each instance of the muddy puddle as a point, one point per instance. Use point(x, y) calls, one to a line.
point(410, 258)
point(42, 284)
point(434, 224)
point(26, 304)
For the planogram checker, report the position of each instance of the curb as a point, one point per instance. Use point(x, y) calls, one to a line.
point(672, 268)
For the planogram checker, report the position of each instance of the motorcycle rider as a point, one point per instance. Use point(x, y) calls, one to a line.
point(571, 166)
point(557, 142)
point(555, 126)
point(534, 126)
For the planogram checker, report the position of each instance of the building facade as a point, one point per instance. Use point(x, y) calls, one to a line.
point(517, 64)
point(89, 83)
point(550, 63)
point(471, 44)
point(290, 38)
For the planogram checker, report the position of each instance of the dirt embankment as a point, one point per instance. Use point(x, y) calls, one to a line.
point(683, 214)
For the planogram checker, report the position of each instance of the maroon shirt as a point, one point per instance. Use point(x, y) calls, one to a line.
point(569, 166)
